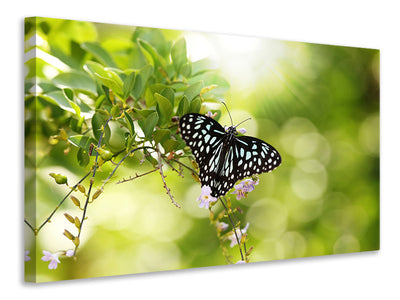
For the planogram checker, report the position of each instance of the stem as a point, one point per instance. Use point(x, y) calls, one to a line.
point(183, 165)
point(163, 179)
point(90, 185)
point(136, 176)
point(36, 231)
point(234, 228)
point(120, 162)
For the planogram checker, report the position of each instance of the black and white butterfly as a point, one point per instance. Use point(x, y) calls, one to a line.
point(222, 156)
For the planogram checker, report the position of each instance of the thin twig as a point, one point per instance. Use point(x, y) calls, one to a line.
point(137, 176)
point(121, 161)
point(180, 172)
point(36, 231)
point(163, 179)
point(234, 228)
point(187, 167)
point(90, 186)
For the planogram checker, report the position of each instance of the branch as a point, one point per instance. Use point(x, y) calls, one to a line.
point(36, 231)
point(137, 176)
point(163, 179)
point(234, 228)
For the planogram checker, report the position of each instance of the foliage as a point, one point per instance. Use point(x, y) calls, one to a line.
point(102, 104)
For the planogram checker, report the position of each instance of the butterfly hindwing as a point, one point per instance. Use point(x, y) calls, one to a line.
point(254, 156)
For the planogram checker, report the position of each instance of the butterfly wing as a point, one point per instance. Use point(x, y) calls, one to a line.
point(205, 137)
point(245, 157)
point(254, 156)
point(223, 160)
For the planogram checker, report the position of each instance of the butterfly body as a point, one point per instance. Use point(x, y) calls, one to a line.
point(222, 156)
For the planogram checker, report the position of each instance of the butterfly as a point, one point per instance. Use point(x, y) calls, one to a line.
point(223, 157)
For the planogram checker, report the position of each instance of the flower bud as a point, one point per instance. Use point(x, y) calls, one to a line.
point(207, 89)
point(195, 177)
point(76, 201)
point(69, 235)
point(249, 251)
point(77, 223)
point(81, 188)
point(76, 241)
point(60, 179)
point(69, 217)
point(63, 134)
point(105, 154)
point(97, 194)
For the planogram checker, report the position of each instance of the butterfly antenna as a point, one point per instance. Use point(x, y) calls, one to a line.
point(242, 122)
point(228, 112)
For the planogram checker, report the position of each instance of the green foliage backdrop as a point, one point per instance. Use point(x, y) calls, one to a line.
point(125, 87)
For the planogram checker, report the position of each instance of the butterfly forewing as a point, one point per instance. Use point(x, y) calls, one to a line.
point(205, 138)
point(222, 157)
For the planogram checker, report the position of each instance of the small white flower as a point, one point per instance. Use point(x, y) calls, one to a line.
point(52, 257)
point(205, 197)
point(240, 262)
point(243, 188)
point(69, 253)
point(222, 226)
point(242, 130)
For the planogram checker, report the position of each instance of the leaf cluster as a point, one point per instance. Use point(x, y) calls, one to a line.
point(145, 82)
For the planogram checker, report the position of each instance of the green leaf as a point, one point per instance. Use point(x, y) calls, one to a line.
point(99, 53)
point(68, 93)
point(82, 141)
point(82, 157)
point(149, 124)
point(165, 108)
point(141, 80)
point(151, 54)
point(170, 145)
point(129, 123)
point(59, 98)
point(193, 90)
point(195, 106)
point(75, 80)
point(129, 84)
point(98, 122)
point(178, 54)
point(203, 65)
point(76, 108)
point(160, 135)
point(106, 77)
point(183, 106)
point(169, 94)
point(115, 111)
point(151, 90)
point(186, 69)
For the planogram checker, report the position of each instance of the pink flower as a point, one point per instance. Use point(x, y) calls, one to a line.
point(242, 130)
point(52, 257)
point(211, 115)
point(244, 187)
point(205, 197)
point(222, 226)
point(240, 262)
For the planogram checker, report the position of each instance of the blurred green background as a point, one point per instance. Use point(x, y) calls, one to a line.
point(318, 105)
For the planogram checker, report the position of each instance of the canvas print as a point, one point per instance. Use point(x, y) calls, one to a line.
point(153, 149)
